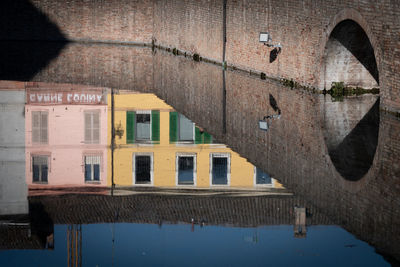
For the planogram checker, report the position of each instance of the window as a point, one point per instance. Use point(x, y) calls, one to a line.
point(186, 129)
point(220, 169)
point(262, 178)
point(39, 127)
point(143, 129)
point(92, 127)
point(143, 169)
point(186, 169)
point(142, 126)
point(181, 129)
point(40, 169)
point(92, 168)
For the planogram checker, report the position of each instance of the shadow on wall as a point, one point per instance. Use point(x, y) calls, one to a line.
point(273, 55)
point(355, 40)
point(274, 104)
point(28, 40)
point(354, 155)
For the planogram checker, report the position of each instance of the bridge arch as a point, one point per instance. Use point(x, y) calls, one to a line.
point(349, 52)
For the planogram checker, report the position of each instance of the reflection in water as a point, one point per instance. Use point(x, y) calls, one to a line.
point(354, 155)
point(66, 135)
point(160, 147)
point(68, 139)
point(175, 230)
point(351, 133)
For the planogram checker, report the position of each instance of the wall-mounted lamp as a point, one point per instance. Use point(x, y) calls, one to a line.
point(265, 38)
point(266, 121)
point(263, 125)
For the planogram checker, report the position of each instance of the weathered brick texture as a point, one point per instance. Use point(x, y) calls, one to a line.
point(87, 20)
point(293, 150)
point(156, 209)
point(193, 26)
point(121, 67)
point(302, 27)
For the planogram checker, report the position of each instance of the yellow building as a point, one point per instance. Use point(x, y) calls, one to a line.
point(156, 146)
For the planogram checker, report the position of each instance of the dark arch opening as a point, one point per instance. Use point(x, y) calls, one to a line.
point(351, 125)
point(354, 155)
point(350, 58)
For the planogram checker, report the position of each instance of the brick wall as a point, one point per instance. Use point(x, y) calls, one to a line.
point(184, 83)
point(119, 67)
point(111, 20)
point(293, 150)
point(302, 27)
point(159, 208)
point(193, 26)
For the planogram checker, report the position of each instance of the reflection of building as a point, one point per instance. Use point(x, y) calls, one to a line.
point(300, 229)
point(157, 146)
point(65, 135)
point(13, 189)
point(74, 245)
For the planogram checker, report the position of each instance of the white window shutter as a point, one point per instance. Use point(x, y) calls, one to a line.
point(43, 127)
point(92, 127)
point(35, 127)
point(96, 127)
point(88, 128)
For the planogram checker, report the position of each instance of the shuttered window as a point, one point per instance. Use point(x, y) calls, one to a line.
point(185, 129)
point(130, 127)
point(181, 129)
point(155, 125)
point(207, 138)
point(197, 136)
point(40, 169)
point(173, 127)
point(40, 127)
point(92, 127)
point(142, 126)
point(143, 132)
point(92, 168)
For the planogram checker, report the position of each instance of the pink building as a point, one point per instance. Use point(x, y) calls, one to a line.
point(66, 136)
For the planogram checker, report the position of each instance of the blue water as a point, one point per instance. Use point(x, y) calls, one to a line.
point(178, 245)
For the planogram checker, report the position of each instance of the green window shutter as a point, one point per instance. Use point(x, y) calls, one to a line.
point(197, 136)
point(207, 138)
point(173, 127)
point(155, 125)
point(130, 127)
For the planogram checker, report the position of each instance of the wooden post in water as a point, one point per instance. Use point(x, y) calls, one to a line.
point(300, 230)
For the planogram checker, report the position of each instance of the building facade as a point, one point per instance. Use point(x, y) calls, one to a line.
point(157, 146)
point(66, 133)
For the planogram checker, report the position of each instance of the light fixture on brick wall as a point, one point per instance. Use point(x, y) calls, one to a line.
point(264, 124)
point(266, 39)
